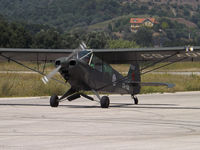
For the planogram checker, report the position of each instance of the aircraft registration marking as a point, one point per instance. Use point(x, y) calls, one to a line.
point(114, 78)
point(125, 86)
point(160, 56)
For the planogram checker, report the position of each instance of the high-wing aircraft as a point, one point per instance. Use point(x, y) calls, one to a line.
point(89, 69)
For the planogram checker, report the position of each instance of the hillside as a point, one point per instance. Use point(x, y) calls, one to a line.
point(101, 23)
point(193, 3)
point(68, 14)
point(60, 13)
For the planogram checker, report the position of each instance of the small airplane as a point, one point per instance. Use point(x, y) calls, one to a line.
point(89, 70)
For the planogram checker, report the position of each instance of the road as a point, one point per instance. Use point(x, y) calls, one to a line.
point(159, 122)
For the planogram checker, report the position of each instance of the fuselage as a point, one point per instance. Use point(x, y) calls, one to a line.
point(92, 74)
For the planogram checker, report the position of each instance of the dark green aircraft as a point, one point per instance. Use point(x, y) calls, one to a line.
point(89, 70)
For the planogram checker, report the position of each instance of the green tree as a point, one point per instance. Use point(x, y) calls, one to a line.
point(164, 25)
point(121, 44)
point(13, 35)
point(144, 37)
point(47, 39)
point(96, 40)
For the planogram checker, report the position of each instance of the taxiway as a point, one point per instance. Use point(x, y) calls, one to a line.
point(159, 122)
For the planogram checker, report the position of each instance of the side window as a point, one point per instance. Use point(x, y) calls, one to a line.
point(96, 63)
point(107, 69)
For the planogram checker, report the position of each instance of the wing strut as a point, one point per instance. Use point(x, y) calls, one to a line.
point(45, 62)
point(163, 66)
point(17, 62)
point(159, 61)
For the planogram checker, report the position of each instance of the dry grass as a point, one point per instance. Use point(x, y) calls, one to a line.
point(17, 85)
point(182, 82)
point(180, 66)
point(28, 85)
point(10, 66)
point(31, 84)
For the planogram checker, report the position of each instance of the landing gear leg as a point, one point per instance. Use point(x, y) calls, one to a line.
point(135, 99)
point(54, 100)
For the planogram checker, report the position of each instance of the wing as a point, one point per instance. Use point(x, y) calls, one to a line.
point(112, 56)
point(165, 54)
point(38, 55)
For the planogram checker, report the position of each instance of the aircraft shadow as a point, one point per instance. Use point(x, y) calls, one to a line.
point(47, 105)
point(24, 105)
point(115, 105)
point(140, 106)
point(154, 106)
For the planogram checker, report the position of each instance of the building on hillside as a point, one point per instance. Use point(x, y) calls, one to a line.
point(136, 23)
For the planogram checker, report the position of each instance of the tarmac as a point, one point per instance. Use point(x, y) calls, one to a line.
point(159, 122)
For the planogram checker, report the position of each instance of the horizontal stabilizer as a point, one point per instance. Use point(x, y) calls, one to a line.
point(169, 85)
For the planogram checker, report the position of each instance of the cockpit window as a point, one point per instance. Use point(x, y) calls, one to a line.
point(101, 66)
point(107, 68)
point(97, 63)
point(85, 56)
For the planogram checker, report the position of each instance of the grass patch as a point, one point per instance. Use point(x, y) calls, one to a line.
point(16, 85)
point(10, 66)
point(183, 83)
point(19, 85)
point(179, 66)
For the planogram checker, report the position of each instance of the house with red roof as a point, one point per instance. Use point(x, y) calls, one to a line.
point(136, 23)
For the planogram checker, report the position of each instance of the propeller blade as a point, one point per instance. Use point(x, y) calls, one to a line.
point(83, 46)
point(46, 79)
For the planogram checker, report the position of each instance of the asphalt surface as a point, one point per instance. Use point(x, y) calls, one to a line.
point(159, 122)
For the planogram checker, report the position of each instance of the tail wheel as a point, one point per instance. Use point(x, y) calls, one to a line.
point(135, 100)
point(54, 101)
point(105, 102)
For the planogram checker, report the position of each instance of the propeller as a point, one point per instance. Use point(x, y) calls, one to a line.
point(83, 46)
point(46, 79)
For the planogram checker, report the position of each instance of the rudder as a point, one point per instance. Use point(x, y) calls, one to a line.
point(134, 76)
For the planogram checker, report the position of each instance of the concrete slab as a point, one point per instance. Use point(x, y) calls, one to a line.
point(160, 121)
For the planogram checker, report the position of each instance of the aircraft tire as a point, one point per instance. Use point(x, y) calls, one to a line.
point(54, 101)
point(105, 102)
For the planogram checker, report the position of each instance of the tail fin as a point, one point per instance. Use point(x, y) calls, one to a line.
point(134, 75)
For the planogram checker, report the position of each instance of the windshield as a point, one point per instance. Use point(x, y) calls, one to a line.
point(84, 55)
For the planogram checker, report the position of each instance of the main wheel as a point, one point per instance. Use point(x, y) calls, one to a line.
point(105, 102)
point(54, 101)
